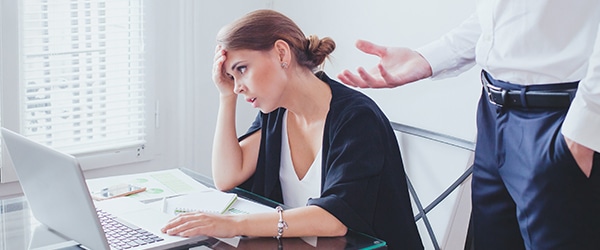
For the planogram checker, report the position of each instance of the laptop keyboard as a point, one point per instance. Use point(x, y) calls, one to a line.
point(122, 235)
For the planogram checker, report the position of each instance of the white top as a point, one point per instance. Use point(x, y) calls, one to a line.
point(296, 192)
point(532, 42)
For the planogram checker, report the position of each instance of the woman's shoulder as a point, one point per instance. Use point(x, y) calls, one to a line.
point(344, 96)
point(348, 101)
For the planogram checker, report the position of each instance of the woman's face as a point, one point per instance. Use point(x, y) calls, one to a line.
point(258, 76)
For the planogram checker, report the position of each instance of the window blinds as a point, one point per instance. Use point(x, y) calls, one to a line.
point(83, 74)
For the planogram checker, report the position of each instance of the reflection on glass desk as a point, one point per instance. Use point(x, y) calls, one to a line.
point(20, 230)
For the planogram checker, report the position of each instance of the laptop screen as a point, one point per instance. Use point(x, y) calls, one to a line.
point(56, 190)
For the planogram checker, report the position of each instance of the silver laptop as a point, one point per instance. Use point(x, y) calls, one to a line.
point(58, 196)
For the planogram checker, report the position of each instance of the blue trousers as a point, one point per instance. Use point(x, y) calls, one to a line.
point(527, 190)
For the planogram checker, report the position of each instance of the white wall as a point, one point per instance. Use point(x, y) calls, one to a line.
point(445, 106)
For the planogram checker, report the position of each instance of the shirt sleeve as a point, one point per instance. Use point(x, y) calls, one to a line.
point(453, 53)
point(583, 119)
point(355, 161)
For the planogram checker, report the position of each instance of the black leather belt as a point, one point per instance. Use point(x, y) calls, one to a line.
point(527, 98)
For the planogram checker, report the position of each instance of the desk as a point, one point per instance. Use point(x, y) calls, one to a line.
point(19, 229)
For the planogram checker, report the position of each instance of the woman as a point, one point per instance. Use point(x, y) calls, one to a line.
point(317, 146)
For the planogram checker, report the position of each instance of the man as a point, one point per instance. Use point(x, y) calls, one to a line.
point(536, 180)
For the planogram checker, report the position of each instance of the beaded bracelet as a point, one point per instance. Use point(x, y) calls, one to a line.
point(281, 224)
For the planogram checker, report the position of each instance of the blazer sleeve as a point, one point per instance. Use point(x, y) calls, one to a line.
point(256, 125)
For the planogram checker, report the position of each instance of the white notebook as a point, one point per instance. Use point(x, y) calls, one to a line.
point(212, 201)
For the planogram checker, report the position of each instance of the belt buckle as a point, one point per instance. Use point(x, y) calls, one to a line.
point(503, 93)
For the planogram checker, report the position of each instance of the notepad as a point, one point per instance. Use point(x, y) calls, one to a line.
point(212, 201)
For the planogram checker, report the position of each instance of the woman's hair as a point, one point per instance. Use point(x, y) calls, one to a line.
point(258, 30)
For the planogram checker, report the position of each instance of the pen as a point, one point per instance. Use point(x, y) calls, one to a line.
point(164, 203)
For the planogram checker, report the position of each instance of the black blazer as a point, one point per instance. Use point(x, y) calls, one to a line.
point(363, 181)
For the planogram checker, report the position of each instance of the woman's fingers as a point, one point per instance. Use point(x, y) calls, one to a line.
point(181, 223)
point(194, 224)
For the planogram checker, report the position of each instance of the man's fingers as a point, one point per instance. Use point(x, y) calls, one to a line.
point(351, 79)
point(344, 79)
point(369, 80)
point(387, 77)
point(370, 48)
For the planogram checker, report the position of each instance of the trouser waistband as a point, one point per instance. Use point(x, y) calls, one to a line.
point(504, 94)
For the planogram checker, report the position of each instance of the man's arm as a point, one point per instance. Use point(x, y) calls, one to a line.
point(450, 55)
point(581, 125)
point(453, 53)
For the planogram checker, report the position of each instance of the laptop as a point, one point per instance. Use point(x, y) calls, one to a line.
point(59, 198)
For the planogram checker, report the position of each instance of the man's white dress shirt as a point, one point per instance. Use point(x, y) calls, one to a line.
point(532, 42)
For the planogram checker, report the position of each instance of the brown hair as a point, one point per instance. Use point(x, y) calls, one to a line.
point(258, 30)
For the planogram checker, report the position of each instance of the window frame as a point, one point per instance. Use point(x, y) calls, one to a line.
point(10, 82)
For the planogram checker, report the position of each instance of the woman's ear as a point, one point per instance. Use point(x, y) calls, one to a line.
point(282, 48)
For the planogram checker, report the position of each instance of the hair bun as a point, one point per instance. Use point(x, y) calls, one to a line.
point(319, 49)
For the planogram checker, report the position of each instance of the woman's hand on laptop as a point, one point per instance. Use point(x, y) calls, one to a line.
point(198, 223)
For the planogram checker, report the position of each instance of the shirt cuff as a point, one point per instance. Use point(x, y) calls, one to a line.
point(581, 125)
point(443, 61)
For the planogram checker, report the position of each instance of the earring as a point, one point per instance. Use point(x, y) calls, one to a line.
point(284, 65)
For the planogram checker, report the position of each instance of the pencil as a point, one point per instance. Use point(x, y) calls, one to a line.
point(164, 203)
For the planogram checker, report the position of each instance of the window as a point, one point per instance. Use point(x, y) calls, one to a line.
point(81, 77)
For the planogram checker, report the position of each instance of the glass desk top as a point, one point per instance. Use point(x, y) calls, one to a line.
point(20, 230)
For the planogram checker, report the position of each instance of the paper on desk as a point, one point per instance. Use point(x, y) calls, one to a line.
point(210, 201)
point(158, 184)
point(244, 206)
point(240, 206)
point(223, 201)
